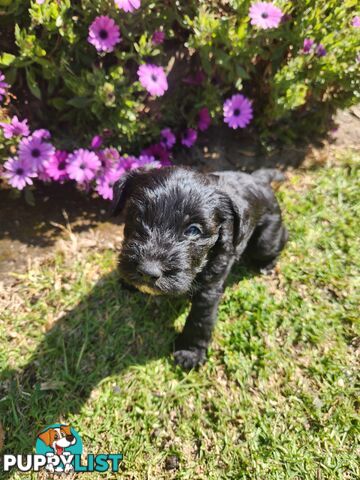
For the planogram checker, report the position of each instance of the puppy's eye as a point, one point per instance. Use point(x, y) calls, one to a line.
point(192, 231)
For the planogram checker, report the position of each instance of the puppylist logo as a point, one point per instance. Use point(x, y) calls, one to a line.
point(58, 449)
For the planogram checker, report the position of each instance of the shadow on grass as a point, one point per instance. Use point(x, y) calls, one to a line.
point(107, 332)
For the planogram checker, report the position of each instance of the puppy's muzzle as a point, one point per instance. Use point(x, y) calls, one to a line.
point(70, 438)
point(149, 272)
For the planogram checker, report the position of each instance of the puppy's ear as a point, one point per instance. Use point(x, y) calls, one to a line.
point(66, 429)
point(121, 192)
point(45, 437)
point(237, 223)
point(231, 220)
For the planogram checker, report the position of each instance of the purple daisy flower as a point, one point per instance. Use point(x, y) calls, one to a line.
point(3, 86)
point(35, 151)
point(308, 45)
point(356, 21)
point(189, 137)
point(128, 5)
point(56, 167)
point(168, 139)
point(204, 119)
point(320, 50)
point(18, 173)
point(131, 163)
point(43, 174)
point(159, 153)
point(145, 159)
point(105, 183)
point(108, 158)
point(148, 162)
point(15, 128)
point(265, 15)
point(104, 34)
point(237, 111)
point(158, 37)
point(119, 169)
point(42, 133)
point(83, 165)
point(96, 142)
point(153, 79)
point(128, 163)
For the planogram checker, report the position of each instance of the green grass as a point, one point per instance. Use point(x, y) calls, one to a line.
point(277, 398)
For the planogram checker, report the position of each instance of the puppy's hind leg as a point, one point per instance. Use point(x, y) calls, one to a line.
point(266, 242)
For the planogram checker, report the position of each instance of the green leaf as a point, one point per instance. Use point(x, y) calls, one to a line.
point(239, 84)
point(29, 197)
point(39, 51)
point(17, 33)
point(6, 59)
point(11, 75)
point(241, 72)
point(58, 102)
point(79, 102)
point(32, 84)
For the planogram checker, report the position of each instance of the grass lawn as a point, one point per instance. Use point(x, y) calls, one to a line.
point(277, 398)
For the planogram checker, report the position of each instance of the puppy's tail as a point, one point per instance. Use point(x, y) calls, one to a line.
point(268, 175)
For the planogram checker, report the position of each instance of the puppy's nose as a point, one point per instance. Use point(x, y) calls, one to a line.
point(150, 269)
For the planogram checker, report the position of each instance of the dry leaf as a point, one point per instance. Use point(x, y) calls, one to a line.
point(51, 385)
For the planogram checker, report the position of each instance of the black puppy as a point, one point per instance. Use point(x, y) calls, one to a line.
point(183, 232)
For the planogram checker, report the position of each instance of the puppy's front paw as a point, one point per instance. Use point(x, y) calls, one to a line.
point(188, 359)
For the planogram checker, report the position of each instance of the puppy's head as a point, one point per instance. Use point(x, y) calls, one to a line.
point(173, 218)
point(58, 438)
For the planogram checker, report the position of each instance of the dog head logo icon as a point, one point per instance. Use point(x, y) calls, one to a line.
point(61, 442)
point(58, 438)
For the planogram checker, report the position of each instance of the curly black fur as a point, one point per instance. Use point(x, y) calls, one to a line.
point(231, 214)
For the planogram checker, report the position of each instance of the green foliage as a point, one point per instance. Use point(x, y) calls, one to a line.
point(76, 92)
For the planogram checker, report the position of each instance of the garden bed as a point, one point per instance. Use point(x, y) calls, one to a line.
point(30, 232)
